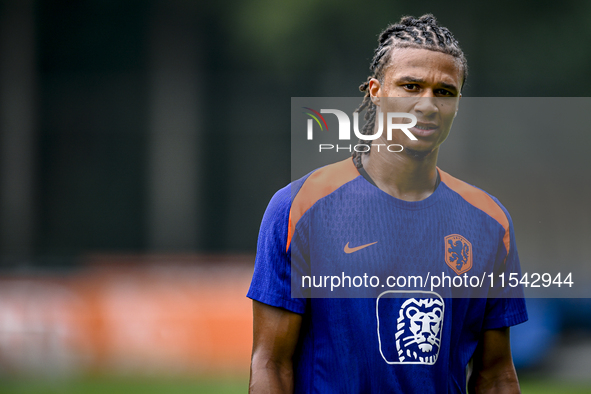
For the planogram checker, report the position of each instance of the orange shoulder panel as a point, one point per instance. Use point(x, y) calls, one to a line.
point(319, 184)
point(480, 200)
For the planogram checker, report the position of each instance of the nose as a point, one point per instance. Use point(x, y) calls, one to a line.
point(426, 104)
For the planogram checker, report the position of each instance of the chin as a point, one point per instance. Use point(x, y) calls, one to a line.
point(418, 154)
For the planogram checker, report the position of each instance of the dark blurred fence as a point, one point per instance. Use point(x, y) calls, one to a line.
point(164, 126)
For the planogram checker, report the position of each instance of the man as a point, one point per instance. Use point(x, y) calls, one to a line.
point(393, 213)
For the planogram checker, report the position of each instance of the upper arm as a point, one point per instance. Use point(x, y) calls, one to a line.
point(276, 315)
point(493, 365)
point(271, 279)
point(275, 336)
point(275, 332)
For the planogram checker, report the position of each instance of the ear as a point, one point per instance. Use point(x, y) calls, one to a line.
point(375, 90)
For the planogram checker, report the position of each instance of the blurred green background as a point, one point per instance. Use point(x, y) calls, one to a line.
point(148, 127)
point(117, 102)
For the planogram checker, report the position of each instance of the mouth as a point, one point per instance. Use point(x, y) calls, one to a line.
point(425, 347)
point(424, 129)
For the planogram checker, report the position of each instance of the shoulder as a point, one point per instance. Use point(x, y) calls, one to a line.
point(481, 200)
point(476, 197)
point(322, 182)
point(317, 185)
point(292, 201)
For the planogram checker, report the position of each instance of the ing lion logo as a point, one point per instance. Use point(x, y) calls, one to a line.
point(418, 338)
point(458, 253)
point(410, 326)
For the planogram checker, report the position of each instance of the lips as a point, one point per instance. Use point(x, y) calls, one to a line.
point(424, 129)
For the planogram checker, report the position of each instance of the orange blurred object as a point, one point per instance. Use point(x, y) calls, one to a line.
point(130, 314)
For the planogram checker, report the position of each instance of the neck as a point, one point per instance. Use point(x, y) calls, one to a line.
point(407, 175)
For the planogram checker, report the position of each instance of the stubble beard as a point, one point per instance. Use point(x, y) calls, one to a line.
point(416, 154)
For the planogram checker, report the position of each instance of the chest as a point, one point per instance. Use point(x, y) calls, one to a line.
point(386, 240)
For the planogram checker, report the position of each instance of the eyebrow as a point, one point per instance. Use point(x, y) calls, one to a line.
point(419, 80)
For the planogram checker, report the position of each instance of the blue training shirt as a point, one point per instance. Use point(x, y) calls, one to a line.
point(387, 338)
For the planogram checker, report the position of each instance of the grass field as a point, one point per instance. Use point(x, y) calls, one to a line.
point(112, 385)
point(115, 385)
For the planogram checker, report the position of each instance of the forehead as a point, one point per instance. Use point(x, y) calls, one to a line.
point(432, 66)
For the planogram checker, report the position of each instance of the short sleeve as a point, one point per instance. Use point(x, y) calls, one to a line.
point(271, 280)
point(505, 306)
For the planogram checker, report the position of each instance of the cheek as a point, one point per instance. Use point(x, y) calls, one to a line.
point(449, 117)
point(448, 113)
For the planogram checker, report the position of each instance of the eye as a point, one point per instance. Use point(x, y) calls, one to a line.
point(411, 86)
point(443, 92)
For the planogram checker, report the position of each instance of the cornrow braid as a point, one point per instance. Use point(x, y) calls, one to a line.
point(410, 32)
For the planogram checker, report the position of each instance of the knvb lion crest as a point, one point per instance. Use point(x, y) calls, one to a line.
point(458, 253)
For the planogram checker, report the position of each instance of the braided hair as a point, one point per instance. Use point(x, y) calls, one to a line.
point(422, 33)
